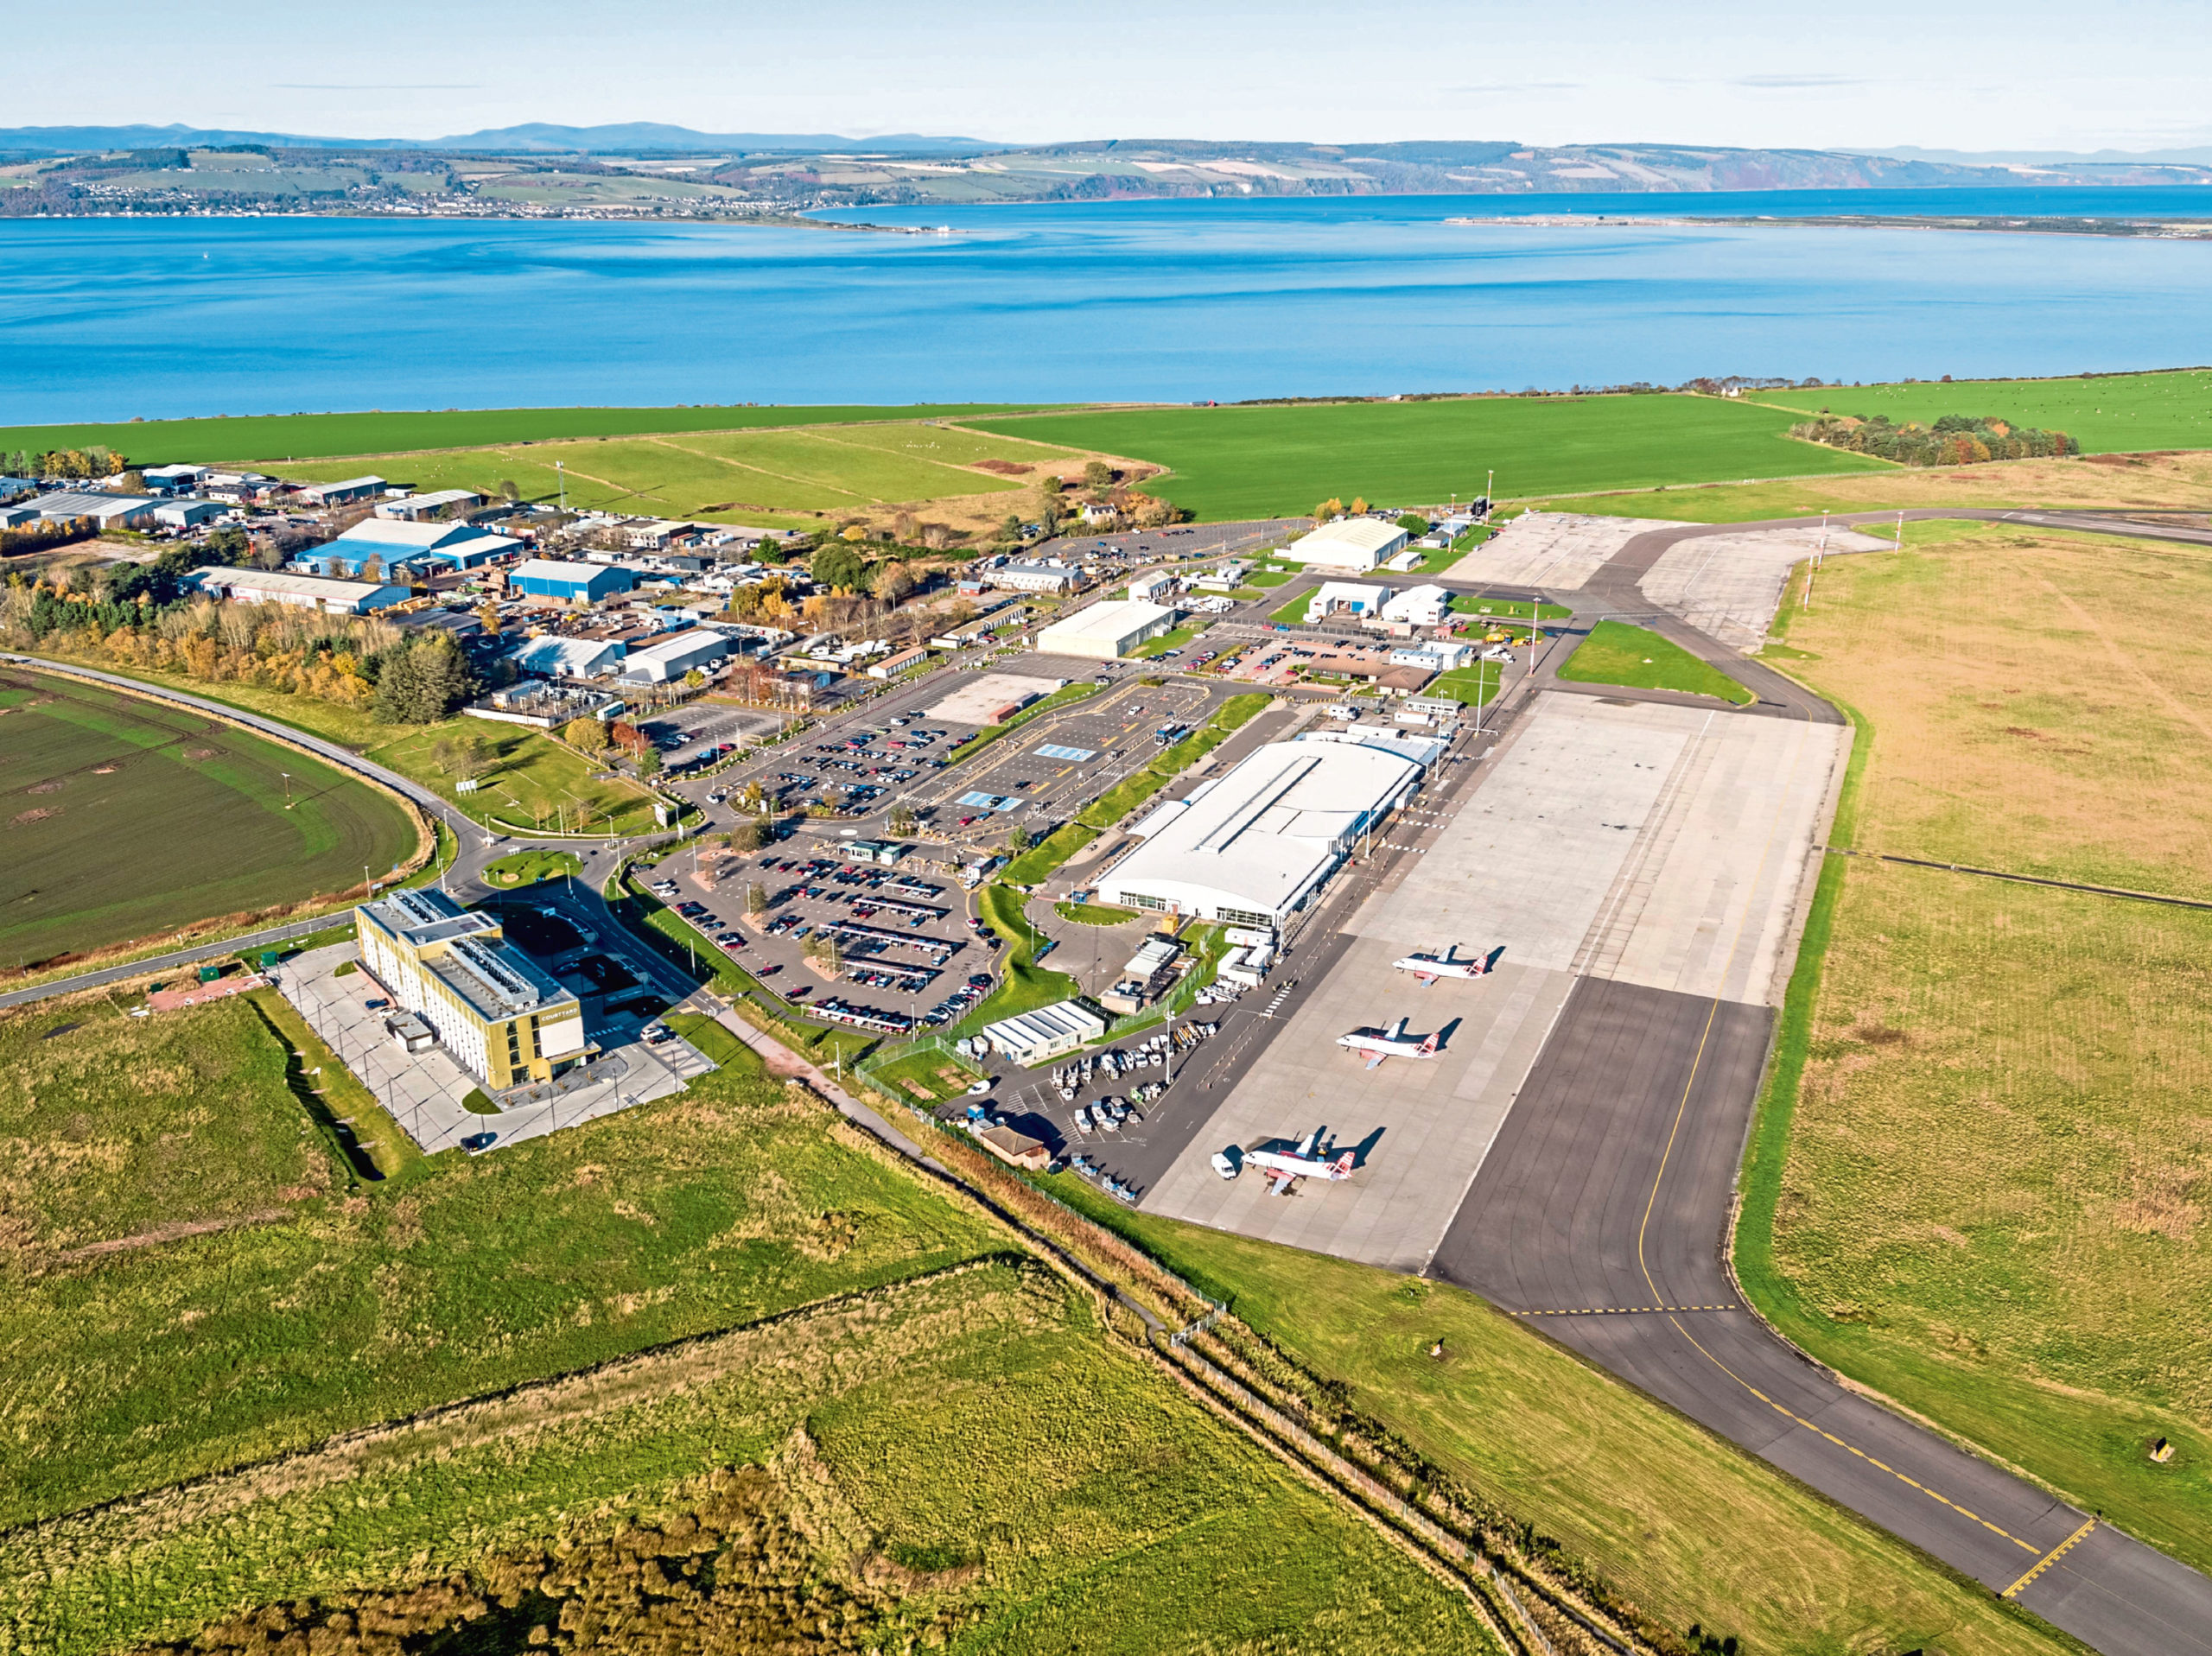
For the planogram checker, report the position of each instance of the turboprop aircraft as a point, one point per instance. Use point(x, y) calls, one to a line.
point(1392, 1043)
point(1430, 967)
point(1284, 1168)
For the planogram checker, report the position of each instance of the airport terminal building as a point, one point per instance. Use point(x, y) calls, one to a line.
point(1255, 846)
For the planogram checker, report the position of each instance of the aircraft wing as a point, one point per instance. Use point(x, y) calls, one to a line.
point(1376, 1059)
point(1426, 978)
point(1281, 1184)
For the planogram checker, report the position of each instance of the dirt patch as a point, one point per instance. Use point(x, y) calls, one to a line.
point(175, 1232)
point(200, 752)
point(45, 788)
point(23, 818)
point(1002, 467)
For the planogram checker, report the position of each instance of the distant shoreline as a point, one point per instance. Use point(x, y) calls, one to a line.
point(2179, 230)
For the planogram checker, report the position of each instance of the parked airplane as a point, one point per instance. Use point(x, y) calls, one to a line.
point(1284, 1168)
point(1430, 967)
point(1392, 1043)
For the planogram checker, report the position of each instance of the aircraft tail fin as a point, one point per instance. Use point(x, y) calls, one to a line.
point(1428, 1047)
point(1341, 1168)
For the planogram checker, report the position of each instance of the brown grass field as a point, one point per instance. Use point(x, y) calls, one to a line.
point(2180, 479)
point(1993, 1203)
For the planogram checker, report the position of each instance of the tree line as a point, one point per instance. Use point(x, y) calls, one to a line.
point(70, 463)
point(1954, 440)
point(141, 617)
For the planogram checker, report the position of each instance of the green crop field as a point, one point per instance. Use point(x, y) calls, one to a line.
point(531, 781)
point(1688, 1527)
point(270, 437)
point(2105, 413)
point(1617, 653)
point(1976, 1182)
point(1255, 462)
point(120, 818)
point(720, 473)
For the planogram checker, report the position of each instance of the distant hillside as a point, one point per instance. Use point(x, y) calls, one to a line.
point(535, 138)
point(647, 169)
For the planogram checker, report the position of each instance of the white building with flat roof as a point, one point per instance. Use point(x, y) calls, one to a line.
point(1346, 597)
point(552, 658)
point(1356, 543)
point(1255, 846)
point(1035, 1037)
point(308, 592)
point(674, 654)
point(1106, 631)
point(1424, 606)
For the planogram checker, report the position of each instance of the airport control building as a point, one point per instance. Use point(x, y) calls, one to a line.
point(1255, 846)
point(498, 1015)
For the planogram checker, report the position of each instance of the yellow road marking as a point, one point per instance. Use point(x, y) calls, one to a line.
point(2048, 1559)
point(1623, 1311)
point(1697, 1061)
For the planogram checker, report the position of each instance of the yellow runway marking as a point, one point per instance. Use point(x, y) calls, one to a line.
point(1623, 1311)
point(2048, 1559)
point(1697, 1060)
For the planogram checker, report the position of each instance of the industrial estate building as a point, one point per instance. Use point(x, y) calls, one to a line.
point(570, 583)
point(308, 592)
point(401, 545)
point(1356, 543)
point(672, 657)
point(1106, 631)
point(1254, 847)
point(498, 1015)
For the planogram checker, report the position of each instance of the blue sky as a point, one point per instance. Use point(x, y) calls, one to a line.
point(2025, 74)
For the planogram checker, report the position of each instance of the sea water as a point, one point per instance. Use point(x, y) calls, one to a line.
point(1169, 300)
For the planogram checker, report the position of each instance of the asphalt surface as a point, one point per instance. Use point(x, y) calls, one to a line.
point(1600, 1216)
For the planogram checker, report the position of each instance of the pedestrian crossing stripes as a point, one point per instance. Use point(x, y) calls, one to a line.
point(1054, 751)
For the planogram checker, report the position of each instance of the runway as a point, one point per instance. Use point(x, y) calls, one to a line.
point(1600, 1216)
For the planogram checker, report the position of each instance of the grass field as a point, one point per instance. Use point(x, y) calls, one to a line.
point(1292, 614)
point(146, 1364)
point(1258, 462)
point(1688, 1527)
point(1480, 684)
point(2118, 481)
point(1507, 609)
point(121, 818)
point(1617, 653)
point(960, 1463)
point(1094, 914)
point(273, 437)
point(1976, 1182)
point(532, 781)
point(528, 867)
point(817, 469)
point(2105, 413)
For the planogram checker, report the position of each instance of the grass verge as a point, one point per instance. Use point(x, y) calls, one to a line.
point(1617, 653)
point(1044, 858)
point(1686, 1526)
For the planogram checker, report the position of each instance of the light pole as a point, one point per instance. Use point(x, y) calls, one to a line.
point(287, 775)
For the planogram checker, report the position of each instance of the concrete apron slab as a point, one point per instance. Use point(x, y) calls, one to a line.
point(1419, 1127)
point(1658, 846)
